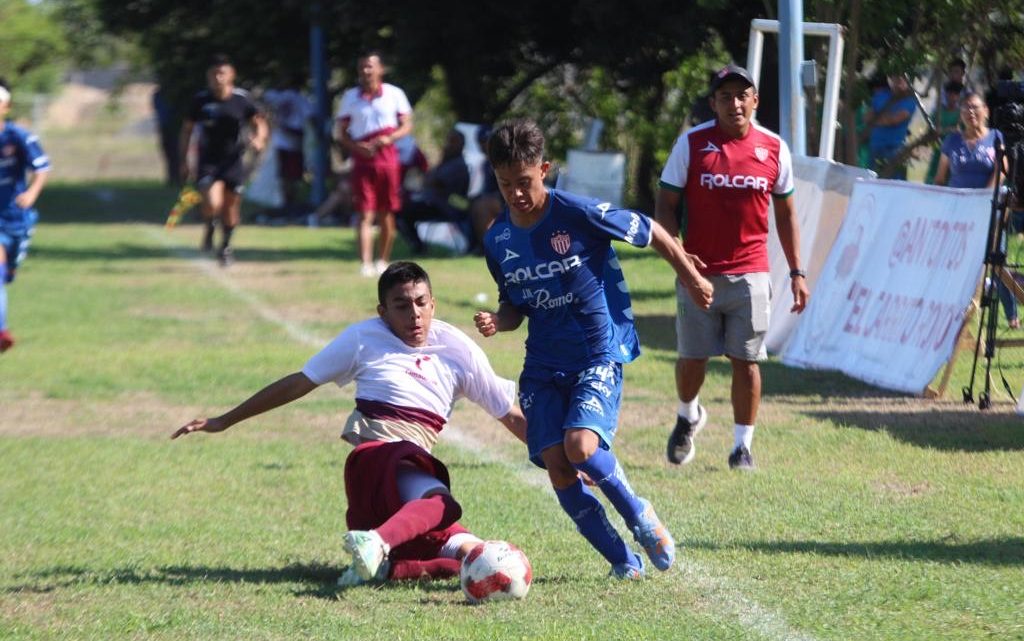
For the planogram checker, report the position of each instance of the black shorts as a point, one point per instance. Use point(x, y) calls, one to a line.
point(230, 170)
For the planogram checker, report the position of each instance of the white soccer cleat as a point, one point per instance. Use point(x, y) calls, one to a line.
point(368, 550)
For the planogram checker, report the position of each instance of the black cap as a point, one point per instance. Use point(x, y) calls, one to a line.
point(731, 72)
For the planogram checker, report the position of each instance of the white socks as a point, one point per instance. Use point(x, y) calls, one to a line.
point(688, 410)
point(744, 435)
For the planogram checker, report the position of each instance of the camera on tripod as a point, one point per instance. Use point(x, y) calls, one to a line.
point(1009, 119)
point(1007, 194)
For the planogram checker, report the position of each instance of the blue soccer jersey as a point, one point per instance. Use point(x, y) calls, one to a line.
point(19, 152)
point(563, 274)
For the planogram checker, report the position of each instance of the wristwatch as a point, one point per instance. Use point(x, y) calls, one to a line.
point(797, 272)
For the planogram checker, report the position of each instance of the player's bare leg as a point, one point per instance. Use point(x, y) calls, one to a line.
point(386, 220)
point(746, 399)
point(230, 217)
point(213, 200)
point(366, 244)
point(6, 339)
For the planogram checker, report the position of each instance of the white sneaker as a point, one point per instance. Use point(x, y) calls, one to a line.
point(381, 265)
point(350, 577)
point(368, 550)
point(367, 270)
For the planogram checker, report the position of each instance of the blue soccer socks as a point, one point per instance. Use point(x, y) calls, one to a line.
point(604, 470)
point(591, 521)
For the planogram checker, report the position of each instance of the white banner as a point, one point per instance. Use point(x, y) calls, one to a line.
point(822, 192)
point(894, 290)
point(596, 174)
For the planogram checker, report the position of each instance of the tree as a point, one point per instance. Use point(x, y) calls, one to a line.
point(32, 46)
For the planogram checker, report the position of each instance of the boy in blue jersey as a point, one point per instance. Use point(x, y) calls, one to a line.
point(20, 154)
point(550, 253)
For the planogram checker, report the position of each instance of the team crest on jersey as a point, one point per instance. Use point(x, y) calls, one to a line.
point(761, 153)
point(561, 242)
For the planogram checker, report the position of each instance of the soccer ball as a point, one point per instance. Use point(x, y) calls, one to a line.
point(495, 570)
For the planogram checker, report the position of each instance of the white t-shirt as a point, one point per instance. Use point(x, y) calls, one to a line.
point(368, 115)
point(431, 378)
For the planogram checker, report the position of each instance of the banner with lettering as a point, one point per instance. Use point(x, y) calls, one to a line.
point(822, 191)
point(895, 287)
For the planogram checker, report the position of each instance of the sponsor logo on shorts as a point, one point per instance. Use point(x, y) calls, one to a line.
point(592, 404)
point(739, 181)
point(525, 400)
point(601, 387)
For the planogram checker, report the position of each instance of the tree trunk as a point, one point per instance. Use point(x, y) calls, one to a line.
point(645, 165)
point(849, 116)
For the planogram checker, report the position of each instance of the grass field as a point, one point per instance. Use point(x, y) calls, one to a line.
point(871, 516)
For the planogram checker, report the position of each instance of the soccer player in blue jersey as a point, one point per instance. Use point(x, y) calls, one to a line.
point(20, 154)
point(550, 253)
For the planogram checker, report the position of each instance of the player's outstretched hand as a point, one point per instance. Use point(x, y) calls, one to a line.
point(486, 323)
point(200, 425)
point(702, 292)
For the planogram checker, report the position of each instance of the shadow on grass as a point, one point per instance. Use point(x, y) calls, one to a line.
point(332, 250)
point(1002, 551)
point(934, 426)
point(59, 577)
point(317, 580)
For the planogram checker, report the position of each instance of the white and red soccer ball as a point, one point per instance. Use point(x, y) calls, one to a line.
point(495, 570)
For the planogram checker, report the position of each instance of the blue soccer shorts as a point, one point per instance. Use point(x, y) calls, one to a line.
point(554, 401)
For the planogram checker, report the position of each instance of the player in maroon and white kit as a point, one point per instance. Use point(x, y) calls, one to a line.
point(728, 169)
point(408, 369)
point(372, 116)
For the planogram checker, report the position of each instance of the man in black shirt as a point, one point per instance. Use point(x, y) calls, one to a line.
point(229, 123)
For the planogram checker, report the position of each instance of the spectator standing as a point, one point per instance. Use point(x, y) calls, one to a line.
point(290, 110)
point(892, 109)
point(968, 161)
point(24, 168)
point(372, 116)
point(168, 132)
point(728, 169)
point(229, 123)
point(946, 119)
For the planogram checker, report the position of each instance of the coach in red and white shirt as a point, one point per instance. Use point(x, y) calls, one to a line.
point(372, 116)
point(728, 169)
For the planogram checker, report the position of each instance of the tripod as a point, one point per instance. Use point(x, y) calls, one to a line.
point(995, 265)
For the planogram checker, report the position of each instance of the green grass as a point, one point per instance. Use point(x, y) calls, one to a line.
point(872, 516)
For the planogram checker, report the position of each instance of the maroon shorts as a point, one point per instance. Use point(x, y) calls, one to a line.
point(375, 186)
point(289, 164)
point(371, 487)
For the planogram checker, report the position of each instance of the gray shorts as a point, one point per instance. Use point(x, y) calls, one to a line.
point(735, 324)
